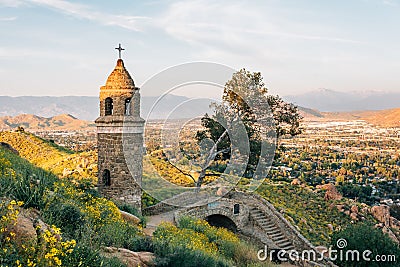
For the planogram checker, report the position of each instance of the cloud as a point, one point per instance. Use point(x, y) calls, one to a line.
point(8, 18)
point(390, 2)
point(11, 3)
point(134, 23)
point(238, 28)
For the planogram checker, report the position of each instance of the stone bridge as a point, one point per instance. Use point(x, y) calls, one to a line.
point(249, 215)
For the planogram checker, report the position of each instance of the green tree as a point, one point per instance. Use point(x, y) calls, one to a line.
point(246, 100)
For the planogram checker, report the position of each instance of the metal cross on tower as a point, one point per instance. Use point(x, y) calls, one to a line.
point(119, 48)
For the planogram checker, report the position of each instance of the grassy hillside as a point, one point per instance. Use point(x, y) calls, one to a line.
point(52, 157)
point(78, 223)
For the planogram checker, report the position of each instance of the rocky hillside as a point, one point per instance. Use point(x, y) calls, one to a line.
point(65, 122)
point(384, 118)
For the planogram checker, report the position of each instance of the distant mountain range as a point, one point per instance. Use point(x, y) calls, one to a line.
point(87, 107)
point(333, 101)
point(324, 104)
point(66, 122)
point(384, 118)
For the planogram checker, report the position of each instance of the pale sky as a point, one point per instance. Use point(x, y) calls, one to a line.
point(57, 47)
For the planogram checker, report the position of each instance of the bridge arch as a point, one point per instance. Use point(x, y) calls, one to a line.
point(231, 214)
point(220, 220)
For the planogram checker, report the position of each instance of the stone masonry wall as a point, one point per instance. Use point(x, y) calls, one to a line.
point(125, 181)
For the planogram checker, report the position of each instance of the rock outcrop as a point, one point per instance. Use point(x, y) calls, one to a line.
point(130, 218)
point(24, 229)
point(295, 182)
point(331, 192)
point(130, 258)
point(382, 214)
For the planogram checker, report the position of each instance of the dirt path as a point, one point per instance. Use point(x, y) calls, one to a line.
point(154, 221)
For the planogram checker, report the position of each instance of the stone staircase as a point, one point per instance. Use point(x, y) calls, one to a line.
point(271, 229)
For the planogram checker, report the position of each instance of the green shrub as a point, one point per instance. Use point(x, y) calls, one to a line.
point(117, 234)
point(229, 246)
point(171, 256)
point(225, 240)
point(362, 237)
point(140, 243)
point(67, 216)
point(86, 256)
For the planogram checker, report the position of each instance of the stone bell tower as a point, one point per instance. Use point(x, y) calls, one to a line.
point(120, 138)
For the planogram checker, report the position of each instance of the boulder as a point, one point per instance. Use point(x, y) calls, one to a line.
point(130, 218)
point(340, 208)
point(394, 223)
point(354, 216)
point(24, 229)
point(331, 192)
point(389, 232)
point(296, 182)
point(365, 210)
point(382, 214)
point(354, 209)
point(130, 258)
point(27, 227)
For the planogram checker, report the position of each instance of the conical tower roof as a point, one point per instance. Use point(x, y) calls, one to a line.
point(119, 78)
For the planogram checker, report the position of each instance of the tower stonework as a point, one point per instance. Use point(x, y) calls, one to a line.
point(120, 139)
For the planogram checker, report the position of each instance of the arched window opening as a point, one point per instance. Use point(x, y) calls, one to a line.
point(128, 106)
point(106, 177)
point(108, 106)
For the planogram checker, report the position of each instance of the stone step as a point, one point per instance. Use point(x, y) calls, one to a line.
point(258, 216)
point(279, 238)
point(272, 232)
point(267, 224)
point(271, 229)
point(283, 244)
point(254, 209)
point(288, 248)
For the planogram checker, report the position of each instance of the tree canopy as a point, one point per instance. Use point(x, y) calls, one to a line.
point(246, 102)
